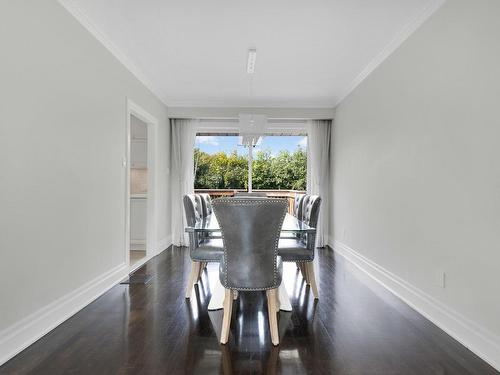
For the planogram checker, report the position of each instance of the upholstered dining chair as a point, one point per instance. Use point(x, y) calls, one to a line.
point(199, 205)
point(206, 204)
point(297, 205)
point(207, 209)
point(252, 194)
point(201, 250)
point(250, 234)
point(301, 249)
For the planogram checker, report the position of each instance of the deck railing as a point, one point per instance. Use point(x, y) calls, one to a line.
point(288, 194)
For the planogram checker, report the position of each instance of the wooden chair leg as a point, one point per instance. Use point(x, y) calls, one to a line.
point(193, 277)
point(273, 318)
point(312, 279)
point(200, 272)
point(226, 320)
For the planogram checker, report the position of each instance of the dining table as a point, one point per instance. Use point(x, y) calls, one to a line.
point(209, 227)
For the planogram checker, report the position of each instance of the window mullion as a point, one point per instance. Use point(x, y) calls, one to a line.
point(250, 162)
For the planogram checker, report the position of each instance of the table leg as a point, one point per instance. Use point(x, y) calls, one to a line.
point(217, 299)
point(285, 304)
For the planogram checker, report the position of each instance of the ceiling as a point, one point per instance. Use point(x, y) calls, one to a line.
point(309, 53)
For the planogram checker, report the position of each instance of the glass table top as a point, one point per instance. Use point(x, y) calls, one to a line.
point(290, 225)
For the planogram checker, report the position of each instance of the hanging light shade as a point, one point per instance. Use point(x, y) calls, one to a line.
point(252, 128)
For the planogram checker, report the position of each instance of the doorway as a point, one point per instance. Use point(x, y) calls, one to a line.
point(140, 236)
point(138, 188)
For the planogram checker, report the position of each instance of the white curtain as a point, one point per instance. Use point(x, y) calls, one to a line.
point(182, 139)
point(318, 172)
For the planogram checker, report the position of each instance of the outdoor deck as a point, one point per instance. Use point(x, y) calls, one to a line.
point(288, 194)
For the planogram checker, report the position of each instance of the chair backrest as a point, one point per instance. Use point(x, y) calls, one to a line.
point(297, 205)
point(199, 205)
point(252, 194)
point(310, 215)
point(192, 217)
point(303, 203)
point(206, 203)
point(190, 208)
point(310, 210)
point(250, 234)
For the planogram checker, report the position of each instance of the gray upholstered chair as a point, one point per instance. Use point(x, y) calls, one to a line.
point(207, 209)
point(206, 203)
point(202, 250)
point(250, 232)
point(301, 249)
point(297, 205)
point(303, 203)
point(198, 205)
point(252, 194)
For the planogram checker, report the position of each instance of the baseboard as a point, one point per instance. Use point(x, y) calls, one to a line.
point(160, 247)
point(470, 334)
point(31, 328)
point(136, 244)
point(22, 334)
point(137, 241)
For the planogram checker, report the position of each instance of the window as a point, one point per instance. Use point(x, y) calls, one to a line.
point(278, 163)
point(219, 163)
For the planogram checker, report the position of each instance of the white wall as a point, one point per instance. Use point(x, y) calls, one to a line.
point(62, 140)
point(417, 170)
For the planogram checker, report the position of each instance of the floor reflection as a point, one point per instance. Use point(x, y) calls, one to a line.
point(249, 349)
point(356, 327)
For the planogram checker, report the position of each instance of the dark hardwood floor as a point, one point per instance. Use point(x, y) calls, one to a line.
point(356, 327)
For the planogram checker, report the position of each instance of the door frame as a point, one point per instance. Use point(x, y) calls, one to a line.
point(152, 214)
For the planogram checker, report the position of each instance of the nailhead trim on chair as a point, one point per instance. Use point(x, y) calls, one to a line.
point(251, 203)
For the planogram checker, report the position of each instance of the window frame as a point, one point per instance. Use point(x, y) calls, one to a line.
point(234, 131)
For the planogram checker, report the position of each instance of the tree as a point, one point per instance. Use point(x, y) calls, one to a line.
point(281, 167)
point(236, 175)
point(262, 176)
point(230, 171)
point(299, 170)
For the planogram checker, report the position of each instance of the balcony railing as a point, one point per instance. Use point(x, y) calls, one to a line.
point(288, 194)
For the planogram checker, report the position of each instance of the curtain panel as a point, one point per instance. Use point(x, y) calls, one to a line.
point(182, 140)
point(318, 171)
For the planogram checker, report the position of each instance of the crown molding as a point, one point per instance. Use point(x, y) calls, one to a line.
point(393, 45)
point(285, 103)
point(401, 36)
point(233, 112)
point(73, 9)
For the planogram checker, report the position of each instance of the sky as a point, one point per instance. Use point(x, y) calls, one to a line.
point(212, 144)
